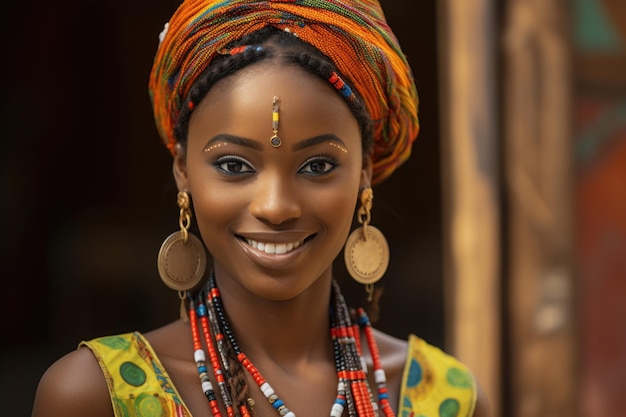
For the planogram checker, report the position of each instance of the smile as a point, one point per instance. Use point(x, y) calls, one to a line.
point(274, 248)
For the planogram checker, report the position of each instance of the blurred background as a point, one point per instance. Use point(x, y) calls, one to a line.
point(507, 226)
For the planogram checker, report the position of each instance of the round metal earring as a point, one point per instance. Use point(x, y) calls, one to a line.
point(366, 252)
point(182, 257)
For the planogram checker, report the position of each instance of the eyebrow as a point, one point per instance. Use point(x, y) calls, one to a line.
point(235, 140)
point(316, 140)
point(253, 144)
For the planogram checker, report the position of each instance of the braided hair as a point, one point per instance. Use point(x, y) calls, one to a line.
point(269, 43)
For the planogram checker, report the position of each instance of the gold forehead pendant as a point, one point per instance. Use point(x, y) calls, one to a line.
point(275, 140)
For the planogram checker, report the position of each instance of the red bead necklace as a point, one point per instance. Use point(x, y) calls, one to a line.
point(354, 395)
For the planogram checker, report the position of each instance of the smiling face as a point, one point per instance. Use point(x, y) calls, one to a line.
point(273, 218)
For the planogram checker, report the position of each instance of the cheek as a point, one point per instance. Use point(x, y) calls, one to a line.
point(334, 207)
point(214, 202)
point(216, 207)
point(215, 212)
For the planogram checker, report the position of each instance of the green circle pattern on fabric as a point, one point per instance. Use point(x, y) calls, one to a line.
point(449, 408)
point(120, 408)
point(115, 342)
point(132, 374)
point(147, 405)
point(459, 378)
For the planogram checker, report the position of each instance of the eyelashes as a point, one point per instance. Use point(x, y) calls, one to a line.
point(319, 165)
point(233, 165)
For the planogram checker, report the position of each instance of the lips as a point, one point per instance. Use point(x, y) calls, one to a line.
point(274, 248)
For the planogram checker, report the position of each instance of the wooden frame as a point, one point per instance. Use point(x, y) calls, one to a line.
point(539, 161)
point(471, 188)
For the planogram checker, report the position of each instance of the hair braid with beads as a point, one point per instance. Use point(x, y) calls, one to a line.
point(270, 43)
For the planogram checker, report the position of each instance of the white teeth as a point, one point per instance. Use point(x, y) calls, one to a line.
point(278, 248)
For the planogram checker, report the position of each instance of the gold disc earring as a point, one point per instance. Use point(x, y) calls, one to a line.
point(366, 252)
point(182, 257)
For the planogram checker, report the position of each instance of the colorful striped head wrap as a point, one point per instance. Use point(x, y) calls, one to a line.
point(352, 33)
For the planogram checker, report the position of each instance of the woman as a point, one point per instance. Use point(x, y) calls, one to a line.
point(280, 116)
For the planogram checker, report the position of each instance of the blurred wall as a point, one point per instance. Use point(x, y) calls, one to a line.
point(600, 156)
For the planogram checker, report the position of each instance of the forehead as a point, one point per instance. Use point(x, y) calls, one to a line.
point(241, 104)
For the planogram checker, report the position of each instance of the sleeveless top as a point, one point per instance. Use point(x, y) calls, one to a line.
point(434, 384)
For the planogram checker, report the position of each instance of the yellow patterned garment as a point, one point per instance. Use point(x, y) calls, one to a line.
point(434, 383)
point(137, 381)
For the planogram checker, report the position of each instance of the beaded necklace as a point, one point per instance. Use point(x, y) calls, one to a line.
point(208, 318)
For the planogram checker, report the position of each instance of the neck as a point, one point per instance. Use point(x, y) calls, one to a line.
point(294, 330)
point(290, 355)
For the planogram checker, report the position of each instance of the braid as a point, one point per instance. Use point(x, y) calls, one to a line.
point(221, 68)
point(262, 44)
point(237, 383)
point(317, 64)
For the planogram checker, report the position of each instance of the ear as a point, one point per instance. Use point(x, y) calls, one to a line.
point(366, 172)
point(179, 168)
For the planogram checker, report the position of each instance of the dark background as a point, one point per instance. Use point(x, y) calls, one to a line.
point(87, 193)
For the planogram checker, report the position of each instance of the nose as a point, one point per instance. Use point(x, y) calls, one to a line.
point(275, 200)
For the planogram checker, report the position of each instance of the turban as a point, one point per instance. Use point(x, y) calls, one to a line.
point(352, 33)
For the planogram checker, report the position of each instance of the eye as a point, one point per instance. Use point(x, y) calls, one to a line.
point(318, 166)
point(233, 165)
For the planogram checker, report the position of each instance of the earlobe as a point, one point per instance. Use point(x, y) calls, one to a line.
point(179, 168)
point(366, 172)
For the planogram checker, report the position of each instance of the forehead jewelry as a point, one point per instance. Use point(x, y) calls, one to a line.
point(275, 140)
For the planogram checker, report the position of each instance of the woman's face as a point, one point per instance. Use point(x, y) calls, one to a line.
point(273, 218)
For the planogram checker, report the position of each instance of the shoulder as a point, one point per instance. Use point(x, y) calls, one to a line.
point(392, 350)
point(392, 353)
point(172, 340)
point(483, 407)
point(73, 386)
